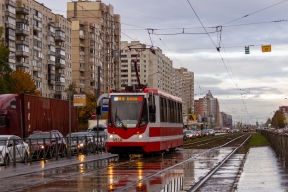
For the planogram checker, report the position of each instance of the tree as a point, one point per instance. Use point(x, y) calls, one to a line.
point(5, 69)
point(24, 83)
point(269, 121)
point(278, 119)
point(85, 112)
point(71, 90)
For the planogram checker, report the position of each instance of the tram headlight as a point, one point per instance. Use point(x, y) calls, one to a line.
point(140, 136)
point(111, 136)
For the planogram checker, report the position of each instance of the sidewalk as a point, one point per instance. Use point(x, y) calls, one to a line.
point(36, 166)
point(263, 171)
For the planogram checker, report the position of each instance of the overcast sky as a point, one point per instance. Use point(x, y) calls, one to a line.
point(248, 86)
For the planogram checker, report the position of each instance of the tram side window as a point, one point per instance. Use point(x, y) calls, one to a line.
point(180, 113)
point(176, 113)
point(168, 111)
point(2, 121)
point(152, 116)
point(173, 112)
point(165, 109)
point(161, 110)
point(144, 118)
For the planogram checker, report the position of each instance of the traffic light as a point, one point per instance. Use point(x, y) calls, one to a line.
point(247, 51)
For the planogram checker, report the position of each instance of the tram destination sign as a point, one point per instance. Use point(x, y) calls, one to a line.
point(129, 98)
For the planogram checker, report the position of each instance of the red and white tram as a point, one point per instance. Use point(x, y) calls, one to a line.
point(144, 122)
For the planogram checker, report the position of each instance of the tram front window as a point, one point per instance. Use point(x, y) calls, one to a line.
point(126, 110)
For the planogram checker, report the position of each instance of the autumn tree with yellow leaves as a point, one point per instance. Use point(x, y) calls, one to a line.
point(24, 83)
point(85, 112)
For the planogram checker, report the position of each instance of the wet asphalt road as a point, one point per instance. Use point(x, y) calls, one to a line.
point(122, 176)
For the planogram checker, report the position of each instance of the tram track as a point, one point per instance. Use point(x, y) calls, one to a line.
point(199, 183)
point(120, 176)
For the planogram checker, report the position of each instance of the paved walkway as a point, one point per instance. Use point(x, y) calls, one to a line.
point(263, 172)
point(36, 166)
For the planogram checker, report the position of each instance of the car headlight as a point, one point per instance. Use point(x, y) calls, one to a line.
point(140, 136)
point(42, 146)
point(111, 136)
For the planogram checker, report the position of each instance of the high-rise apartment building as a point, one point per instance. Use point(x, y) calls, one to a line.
point(208, 107)
point(40, 42)
point(186, 88)
point(96, 39)
point(154, 69)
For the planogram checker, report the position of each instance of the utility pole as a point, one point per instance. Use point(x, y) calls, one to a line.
point(97, 110)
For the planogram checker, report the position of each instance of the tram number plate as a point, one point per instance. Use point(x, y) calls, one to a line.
point(117, 140)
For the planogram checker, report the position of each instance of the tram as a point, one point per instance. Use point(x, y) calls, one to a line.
point(147, 121)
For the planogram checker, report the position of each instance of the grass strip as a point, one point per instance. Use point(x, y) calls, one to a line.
point(257, 140)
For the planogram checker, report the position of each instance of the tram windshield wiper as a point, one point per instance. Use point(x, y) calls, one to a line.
point(117, 118)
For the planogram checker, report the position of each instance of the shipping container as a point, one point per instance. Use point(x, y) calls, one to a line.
point(21, 115)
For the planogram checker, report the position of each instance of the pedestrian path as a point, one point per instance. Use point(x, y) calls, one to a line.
point(263, 171)
point(42, 165)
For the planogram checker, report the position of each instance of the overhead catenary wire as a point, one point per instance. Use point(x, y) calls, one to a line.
point(255, 12)
point(218, 49)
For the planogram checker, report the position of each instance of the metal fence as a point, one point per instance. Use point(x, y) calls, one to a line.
point(29, 150)
point(279, 143)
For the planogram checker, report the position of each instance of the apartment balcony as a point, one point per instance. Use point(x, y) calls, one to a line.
point(22, 42)
point(51, 79)
point(37, 18)
point(10, 2)
point(35, 68)
point(57, 28)
point(81, 36)
point(22, 54)
point(59, 83)
point(50, 33)
point(58, 94)
point(9, 14)
point(22, 10)
point(22, 64)
point(81, 69)
point(59, 38)
point(58, 55)
point(60, 75)
point(49, 62)
point(51, 53)
point(51, 70)
point(9, 25)
point(22, 20)
point(37, 28)
point(60, 66)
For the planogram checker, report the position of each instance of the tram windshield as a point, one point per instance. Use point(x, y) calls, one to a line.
point(126, 110)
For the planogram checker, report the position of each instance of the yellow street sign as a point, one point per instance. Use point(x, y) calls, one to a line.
point(266, 48)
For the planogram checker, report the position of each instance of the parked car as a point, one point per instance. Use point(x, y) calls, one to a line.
point(7, 150)
point(102, 136)
point(211, 132)
point(184, 136)
point(46, 142)
point(79, 140)
point(190, 134)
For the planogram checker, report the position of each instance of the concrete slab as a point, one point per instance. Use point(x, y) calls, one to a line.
point(263, 172)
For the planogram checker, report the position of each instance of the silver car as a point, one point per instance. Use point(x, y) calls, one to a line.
point(7, 152)
point(190, 134)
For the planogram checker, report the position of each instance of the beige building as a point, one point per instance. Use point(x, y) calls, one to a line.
point(184, 86)
point(40, 42)
point(154, 69)
point(96, 39)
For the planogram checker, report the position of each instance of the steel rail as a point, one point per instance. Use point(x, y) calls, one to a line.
point(196, 186)
point(172, 167)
